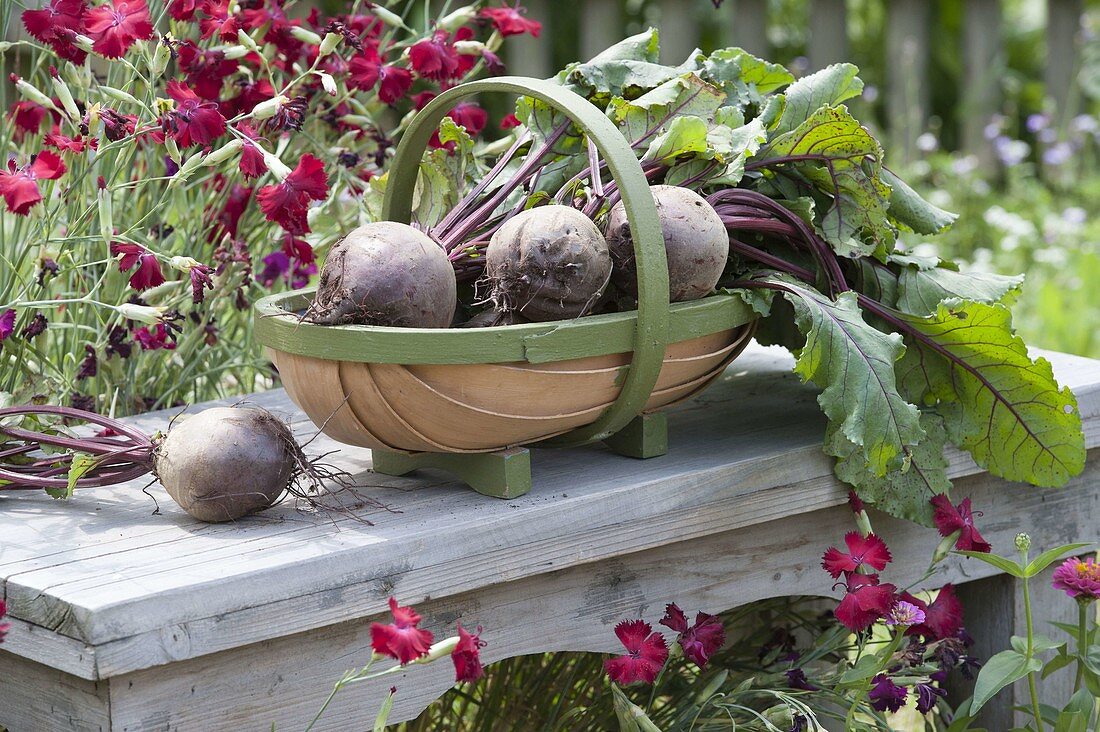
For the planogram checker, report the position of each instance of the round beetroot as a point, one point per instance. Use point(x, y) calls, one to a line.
point(696, 244)
point(548, 263)
point(386, 273)
point(227, 462)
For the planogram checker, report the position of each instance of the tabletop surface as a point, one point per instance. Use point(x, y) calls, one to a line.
point(102, 585)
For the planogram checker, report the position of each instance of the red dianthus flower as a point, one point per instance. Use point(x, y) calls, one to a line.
point(949, 519)
point(19, 186)
point(863, 551)
point(116, 25)
point(467, 656)
point(510, 21)
point(193, 120)
point(401, 639)
point(286, 203)
point(646, 653)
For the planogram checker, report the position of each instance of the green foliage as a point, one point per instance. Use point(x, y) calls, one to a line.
point(834, 153)
point(853, 363)
point(744, 687)
point(904, 492)
point(1000, 405)
point(918, 333)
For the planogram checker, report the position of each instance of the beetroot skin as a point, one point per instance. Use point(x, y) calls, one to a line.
point(225, 463)
point(548, 263)
point(696, 244)
point(386, 273)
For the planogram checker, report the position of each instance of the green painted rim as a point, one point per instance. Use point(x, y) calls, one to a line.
point(277, 326)
point(651, 328)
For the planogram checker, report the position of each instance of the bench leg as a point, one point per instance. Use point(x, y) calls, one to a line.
point(645, 436)
point(501, 474)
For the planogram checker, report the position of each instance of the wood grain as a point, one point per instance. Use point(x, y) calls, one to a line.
point(103, 576)
point(575, 609)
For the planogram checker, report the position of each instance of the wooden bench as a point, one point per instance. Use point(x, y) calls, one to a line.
point(126, 620)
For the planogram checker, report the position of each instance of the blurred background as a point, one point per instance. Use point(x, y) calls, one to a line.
point(989, 105)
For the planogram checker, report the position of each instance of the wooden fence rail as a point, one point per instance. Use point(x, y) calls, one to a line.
point(907, 41)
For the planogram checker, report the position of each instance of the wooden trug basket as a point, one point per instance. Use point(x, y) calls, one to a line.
point(468, 400)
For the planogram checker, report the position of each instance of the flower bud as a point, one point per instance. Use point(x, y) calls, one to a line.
point(161, 56)
point(275, 166)
point(469, 48)
point(327, 83)
point(439, 650)
point(140, 313)
point(1023, 541)
point(355, 120)
point(270, 107)
point(232, 53)
point(329, 44)
point(61, 89)
point(32, 93)
point(247, 41)
point(106, 217)
point(457, 18)
point(189, 166)
point(184, 264)
point(84, 43)
point(388, 17)
point(173, 150)
point(945, 546)
point(305, 35)
point(358, 107)
point(223, 153)
point(119, 95)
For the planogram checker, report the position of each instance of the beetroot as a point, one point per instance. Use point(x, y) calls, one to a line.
point(218, 465)
point(386, 273)
point(548, 263)
point(696, 244)
point(228, 462)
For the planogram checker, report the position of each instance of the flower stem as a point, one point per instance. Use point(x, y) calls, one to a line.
point(1082, 642)
point(1032, 691)
point(861, 691)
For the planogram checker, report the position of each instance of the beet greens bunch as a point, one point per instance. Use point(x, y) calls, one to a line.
point(909, 352)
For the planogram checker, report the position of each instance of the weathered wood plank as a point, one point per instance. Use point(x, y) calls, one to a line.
point(58, 651)
point(285, 680)
point(39, 698)
point(908, 34)
point(529, 56)
point(602, 26)
point(749, 26)
point(1063, 36)
point(828, 42)
point(679, 29)
point(983, 66)
point(164, 588)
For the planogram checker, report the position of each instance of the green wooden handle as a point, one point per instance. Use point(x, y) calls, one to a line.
point(651, 331)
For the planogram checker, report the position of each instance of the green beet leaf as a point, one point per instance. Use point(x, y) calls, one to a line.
point(904, 493)
point(628, 69)
point(922, 289)
point(853, 363)
point(908, 210)
point(839, 157)
point(684, 136)
point(828, 87)
point(1004, 408)
point(642, 118)
point(745, 78)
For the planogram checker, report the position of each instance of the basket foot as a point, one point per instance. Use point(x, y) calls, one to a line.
point(501, 474)
point(645, 436)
